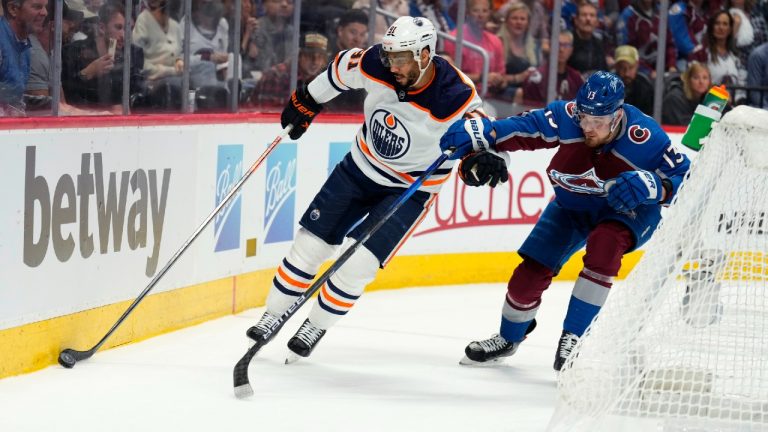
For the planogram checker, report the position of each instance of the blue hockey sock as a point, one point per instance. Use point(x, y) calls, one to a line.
point(580, 314)
point(513, 331)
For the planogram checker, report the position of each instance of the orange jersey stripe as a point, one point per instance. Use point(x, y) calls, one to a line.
point(415, 105)
point(332, 300)
point(290, 280)
point(405, 176)
point(336, 67)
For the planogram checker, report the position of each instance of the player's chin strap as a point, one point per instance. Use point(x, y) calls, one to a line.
point(423, 71)
point(616, 120)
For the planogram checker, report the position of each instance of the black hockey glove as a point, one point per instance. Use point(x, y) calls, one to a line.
point(299, 112)
point(481, 168)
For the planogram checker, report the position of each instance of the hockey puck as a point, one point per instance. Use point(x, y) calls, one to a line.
point(67, 360)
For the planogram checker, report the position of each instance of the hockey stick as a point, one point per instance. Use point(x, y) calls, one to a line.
point(242, 383)
point(69, 357)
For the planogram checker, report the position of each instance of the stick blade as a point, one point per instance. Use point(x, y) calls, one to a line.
point(69, 357)
point(244, 391)
point(242, 383)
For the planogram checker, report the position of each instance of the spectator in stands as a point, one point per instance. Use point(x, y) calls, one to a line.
point(533, 93)
point(351, 31)
point(160, 36)
point(37, 95)
point(639, 26)
point(90, 19)
point(21, 18)
point(520, 54)
point(688, 26)
point(683, 96)
point(396, 7)
point(276, 26)
point(248, 24)
point(208, 43)
point(638, 89)
point(750, 28)
point(257, 58)
point(478, 13)
point(757, 76)
point(435, 11)
point(588, 49)
point(538, 24)
point(273, 88)
point(92, 77)
point(722, 59)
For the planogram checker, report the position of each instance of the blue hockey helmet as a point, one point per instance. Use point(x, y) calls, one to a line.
point(601, 95)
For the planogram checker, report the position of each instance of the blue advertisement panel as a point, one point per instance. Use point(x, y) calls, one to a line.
point(229, 169)
point(336, 152)
point(280, 194)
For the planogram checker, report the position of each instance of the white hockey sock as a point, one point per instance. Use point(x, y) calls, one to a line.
point(296, 271)
point(338, 295)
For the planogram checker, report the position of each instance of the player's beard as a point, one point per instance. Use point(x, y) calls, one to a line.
point(594, 141)
point(410, 78)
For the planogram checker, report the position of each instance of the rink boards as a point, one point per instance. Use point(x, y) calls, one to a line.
point(90, 214)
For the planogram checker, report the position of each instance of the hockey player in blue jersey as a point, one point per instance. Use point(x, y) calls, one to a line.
point(613, 170)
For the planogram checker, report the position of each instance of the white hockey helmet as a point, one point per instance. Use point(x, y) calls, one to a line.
point(410, 34)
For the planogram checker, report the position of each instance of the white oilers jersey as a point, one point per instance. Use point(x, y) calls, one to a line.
point(401, 134)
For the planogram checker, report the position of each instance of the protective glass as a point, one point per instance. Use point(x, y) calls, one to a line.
point(591, 122)
point(396, 59)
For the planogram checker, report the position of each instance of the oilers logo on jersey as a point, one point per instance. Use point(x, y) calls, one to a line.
point(585, 183)
point(390, 138)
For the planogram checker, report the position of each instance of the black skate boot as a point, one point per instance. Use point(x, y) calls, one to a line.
point(491, 350)
point(567, 342)
point(257, 332)
point(304, 341)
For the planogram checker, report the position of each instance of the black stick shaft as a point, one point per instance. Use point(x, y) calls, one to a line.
point(189, 241)
point(241, 380)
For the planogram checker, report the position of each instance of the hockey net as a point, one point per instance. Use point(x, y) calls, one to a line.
point(682, 344)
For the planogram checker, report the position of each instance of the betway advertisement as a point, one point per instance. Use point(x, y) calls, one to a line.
point(88, 216)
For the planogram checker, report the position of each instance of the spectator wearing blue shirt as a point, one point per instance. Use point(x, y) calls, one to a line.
point(22, 18)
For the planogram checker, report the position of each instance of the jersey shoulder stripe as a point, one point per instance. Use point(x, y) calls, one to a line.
point(446, 95)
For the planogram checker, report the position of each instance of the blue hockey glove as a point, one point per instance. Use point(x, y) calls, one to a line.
point(466, 136)
point(633, 188)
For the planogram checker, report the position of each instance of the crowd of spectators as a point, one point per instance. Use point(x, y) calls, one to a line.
point(709, 42)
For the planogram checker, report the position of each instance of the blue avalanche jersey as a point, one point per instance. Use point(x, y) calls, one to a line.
point(578, 172)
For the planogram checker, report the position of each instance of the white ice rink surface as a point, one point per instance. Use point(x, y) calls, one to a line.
point(390, 365)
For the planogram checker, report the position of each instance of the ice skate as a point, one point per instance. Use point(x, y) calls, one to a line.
point(492, 350)
point(488, 351)
point(567, 342)
point(304, 341)
point(257, 332)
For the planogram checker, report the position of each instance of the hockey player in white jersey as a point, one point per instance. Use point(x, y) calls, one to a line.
point(413, 97)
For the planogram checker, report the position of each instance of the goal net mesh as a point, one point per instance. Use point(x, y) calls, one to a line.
point(682, 343)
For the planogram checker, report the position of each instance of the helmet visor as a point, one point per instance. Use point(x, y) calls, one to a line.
point(396, 59)
point(587, 121)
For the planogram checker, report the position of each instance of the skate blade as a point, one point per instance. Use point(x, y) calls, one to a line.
point(466, 361)
point(292, 358)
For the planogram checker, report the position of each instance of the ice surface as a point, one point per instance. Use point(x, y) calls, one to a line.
point(390, 365)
